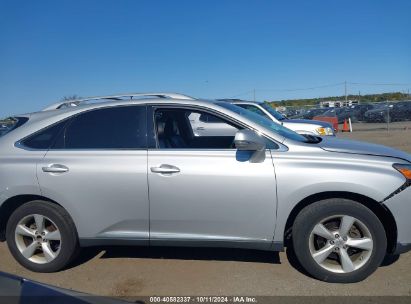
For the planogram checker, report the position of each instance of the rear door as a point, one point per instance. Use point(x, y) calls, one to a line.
point(97, 169)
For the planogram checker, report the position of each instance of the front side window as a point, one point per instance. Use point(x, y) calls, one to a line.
point(179, 129)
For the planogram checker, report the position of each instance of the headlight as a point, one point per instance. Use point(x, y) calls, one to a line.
point(404, 169)
point(325, 131)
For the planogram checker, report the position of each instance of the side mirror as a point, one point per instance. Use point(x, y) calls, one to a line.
point(248, 140)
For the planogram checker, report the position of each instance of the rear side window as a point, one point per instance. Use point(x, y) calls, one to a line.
point(108, 128)
point(9, 124)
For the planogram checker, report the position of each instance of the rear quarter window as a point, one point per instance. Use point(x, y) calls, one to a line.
point(45, 138)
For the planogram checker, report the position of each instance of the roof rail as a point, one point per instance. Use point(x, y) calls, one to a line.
point(77, 102)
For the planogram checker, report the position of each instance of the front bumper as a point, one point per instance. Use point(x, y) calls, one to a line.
point(400, 207)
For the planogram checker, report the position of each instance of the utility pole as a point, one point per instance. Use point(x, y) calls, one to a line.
point(359, 96)
point(345, 92)
point(388, 118)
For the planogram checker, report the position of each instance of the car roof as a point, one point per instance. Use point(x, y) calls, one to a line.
point(239, 101)
point(113, 103)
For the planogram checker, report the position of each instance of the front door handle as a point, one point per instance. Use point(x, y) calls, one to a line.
point(55, 168)
point(165, 169)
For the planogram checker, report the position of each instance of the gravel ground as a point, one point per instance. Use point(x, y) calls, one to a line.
point(135, 271)
point(398, 135)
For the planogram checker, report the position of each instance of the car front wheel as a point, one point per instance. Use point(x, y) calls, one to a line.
point(339, 240)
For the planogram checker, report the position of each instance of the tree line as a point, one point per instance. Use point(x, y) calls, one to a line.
point(395, 96)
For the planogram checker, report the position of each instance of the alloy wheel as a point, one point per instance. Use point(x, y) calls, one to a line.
point(38, 238)
point(341, 244)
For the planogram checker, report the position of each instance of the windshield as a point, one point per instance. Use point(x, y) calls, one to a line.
point(273, 112)
point(9, 124)
point(262, 121)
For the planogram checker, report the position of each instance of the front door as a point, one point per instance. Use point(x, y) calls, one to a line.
point(203, 191)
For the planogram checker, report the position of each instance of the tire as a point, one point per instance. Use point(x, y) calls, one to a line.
point(311, 243)
point(58, 251)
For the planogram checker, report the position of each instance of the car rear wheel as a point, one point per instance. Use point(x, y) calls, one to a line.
point(339, 240)
point(41, 236)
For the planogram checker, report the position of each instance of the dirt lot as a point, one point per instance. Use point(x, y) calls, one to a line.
point(397, 135)
point(195, 271)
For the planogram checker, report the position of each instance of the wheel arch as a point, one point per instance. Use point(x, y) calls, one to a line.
point(12, 203)
point(383, 214)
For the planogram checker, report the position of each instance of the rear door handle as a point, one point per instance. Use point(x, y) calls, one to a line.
point(55, 168)
point(165, 169)
point(200, 128)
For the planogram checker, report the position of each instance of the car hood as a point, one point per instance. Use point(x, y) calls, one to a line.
point(310, 122)
point(333, 144)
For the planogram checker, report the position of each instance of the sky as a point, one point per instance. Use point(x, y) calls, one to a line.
point(203, 48)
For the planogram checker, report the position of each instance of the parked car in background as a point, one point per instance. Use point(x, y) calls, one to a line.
point(400, 111)
point(289, 112)
point(341, 114)
point(358, 111)
point(301, 126)
point(379, 113)
point(311, 113)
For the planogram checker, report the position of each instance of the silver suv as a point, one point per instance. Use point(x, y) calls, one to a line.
point(129, 170)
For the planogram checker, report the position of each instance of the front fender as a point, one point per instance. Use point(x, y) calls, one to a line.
point(300, 176)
